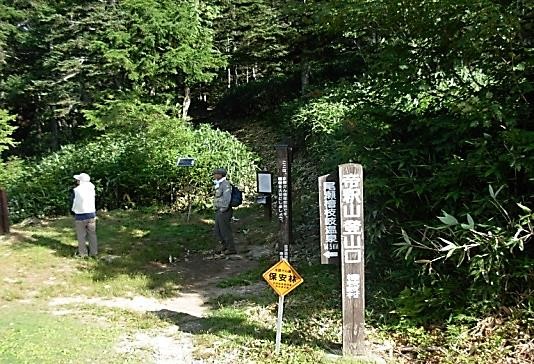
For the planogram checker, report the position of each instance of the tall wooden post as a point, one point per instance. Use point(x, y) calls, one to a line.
point(352, 258)
point(4, 213)
point(283, 152)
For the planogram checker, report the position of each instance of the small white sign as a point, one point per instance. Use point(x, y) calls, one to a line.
point(264, 181)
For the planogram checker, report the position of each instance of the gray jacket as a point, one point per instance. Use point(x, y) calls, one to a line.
point(223, 195)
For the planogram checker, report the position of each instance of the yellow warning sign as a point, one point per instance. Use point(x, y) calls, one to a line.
point(282, 277)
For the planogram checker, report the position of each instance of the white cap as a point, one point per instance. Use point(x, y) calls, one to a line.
point(82, 177)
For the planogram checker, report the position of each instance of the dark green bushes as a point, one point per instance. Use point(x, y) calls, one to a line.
point(257, 97)
point(132, 168)
point(417, 165)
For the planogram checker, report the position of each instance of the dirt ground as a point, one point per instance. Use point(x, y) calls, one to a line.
point(175, 343)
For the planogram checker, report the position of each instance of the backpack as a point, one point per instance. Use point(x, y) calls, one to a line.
point(237, 197)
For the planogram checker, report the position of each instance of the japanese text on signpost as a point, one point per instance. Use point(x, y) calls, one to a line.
point(329, 219)
point(284, 199)
point(352, 257)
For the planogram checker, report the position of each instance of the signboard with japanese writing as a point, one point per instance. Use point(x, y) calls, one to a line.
point(284, 199)
point(329, 219)
point(282, 277)
point(352, 257)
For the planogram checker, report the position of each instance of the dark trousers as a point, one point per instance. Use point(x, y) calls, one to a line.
point(223, 229)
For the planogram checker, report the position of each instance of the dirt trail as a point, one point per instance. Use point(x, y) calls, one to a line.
point(203, 273)
point(174, 344)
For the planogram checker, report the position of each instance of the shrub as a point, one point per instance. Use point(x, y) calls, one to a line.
point(418, 163)
point(6, 130)
point(133, 168)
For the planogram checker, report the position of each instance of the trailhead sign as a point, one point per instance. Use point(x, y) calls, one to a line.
point(185, 162)
point(342, 241)
point(352, 257)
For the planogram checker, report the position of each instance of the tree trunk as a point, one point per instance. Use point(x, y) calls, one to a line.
point(55, 133)
point(187, 101)
point(229, 72)
point(236, 76)
point(305, 76)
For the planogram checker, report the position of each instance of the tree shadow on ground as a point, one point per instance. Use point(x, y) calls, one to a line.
point(55, 245)
point(304, 310)
point(167, 250)
point(239, 326)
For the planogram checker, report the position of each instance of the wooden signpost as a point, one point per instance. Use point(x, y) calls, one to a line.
point(342, 240)
point(352, 257)
point(282, 277)
point(4, 213)
point(283, 152)
point(329, 218)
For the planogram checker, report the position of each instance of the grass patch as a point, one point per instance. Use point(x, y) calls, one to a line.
point(39, 262)
point(244, 278)
point(30, 336)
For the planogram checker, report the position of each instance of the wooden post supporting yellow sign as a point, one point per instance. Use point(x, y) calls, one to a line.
point(282, 278)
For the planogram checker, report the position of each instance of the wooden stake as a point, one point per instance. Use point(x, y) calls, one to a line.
point(4, 213)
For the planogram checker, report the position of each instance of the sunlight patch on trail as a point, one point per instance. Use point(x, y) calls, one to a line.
point(192, 304)
point(162, 347)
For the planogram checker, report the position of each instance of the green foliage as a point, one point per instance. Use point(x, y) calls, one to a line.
point(10, 171)
point(134, 168)
point(66, 57)
point(128, 114)
point(251, 33)
point(6, 130)
point(434, 98)
point(160, 44)
point(420, 160)
point(489, 256)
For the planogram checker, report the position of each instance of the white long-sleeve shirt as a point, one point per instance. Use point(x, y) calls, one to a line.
point(84, 198)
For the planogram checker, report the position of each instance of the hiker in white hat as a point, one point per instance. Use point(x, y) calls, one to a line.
point(84, 210)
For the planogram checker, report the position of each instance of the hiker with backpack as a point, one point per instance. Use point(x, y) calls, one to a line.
point(224, 202)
